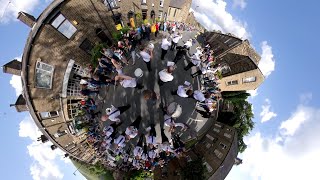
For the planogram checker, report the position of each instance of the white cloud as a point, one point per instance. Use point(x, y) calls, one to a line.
point(267, 62)
point(212, 14)
point(16, 82)
point(253, 93)
point(45, 161)
point(266, 114)
point(291, 155)
point(239, 3)
point(290, 126)
point(9, 11)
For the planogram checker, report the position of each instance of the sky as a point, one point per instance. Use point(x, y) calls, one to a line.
point(283, 144)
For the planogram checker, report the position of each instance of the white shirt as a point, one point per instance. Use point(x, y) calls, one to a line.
point(144, 156)
point(182, 91)
point(108, 130)
point(131, 131)
point(120, 141)
point(137, 151)
point(114, 113)
point(176, 38)
point(166, 147)
point(152, 140)
point(165, 76)
point(199, 96)
point(129, 83)
point(168, 121)
point(145, 56)
point(196, 60)
point(152, 154)
point(188, 44)
point(165, 44)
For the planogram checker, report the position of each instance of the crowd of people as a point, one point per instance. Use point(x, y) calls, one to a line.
point(152, 149)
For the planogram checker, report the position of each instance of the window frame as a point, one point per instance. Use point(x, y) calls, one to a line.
point(160, 15)
point(49, 115)
point(232, 82)
point(60, 25)
point(113, 4)
point(249, 79)
point(161, 3)
point(143, 1)
point(36, 69)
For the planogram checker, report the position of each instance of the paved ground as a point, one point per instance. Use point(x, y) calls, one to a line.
point(150, 112)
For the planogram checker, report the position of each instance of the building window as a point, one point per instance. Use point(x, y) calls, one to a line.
point(218, 153)
point(223, 146)
point(234, 82)
point(249, 79)
point(51, 114)
point(110, 4)
point(160, 15)
point(161, 3)
point(227, 135)
point(86, 45)
point(44, 75)
point(143, 1)
point(175, 11)
point(216, 130)
point(64, 26)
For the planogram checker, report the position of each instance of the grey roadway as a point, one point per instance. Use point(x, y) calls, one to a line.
point(150, 112)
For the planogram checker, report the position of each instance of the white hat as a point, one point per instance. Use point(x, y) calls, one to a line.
point(82, 81)
point(187, 83)
point(170, 63)
point(108, 110)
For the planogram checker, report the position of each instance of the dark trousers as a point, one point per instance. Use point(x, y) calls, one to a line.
point(163, 136)
point(190, 65)
point(140, 142)
point(136, 123)
point(156, 33)
point(148, 66)
point(173, 45)
point(177, 58)
point(124, 108)
point(153, 131)
point(161, 83)
point(163, 53)
point(196, 73)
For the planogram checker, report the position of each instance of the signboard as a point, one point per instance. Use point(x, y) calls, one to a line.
point(118, 27)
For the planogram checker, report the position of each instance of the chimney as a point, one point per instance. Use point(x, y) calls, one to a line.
point(20, 104)
point(26, 18)
point(12, 67)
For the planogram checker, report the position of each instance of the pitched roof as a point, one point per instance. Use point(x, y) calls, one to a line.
point(177, 3)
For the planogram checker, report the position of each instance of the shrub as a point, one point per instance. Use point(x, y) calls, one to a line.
point(96, 53)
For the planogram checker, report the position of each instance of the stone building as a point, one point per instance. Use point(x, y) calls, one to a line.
point(241, 61)
point(178, 10)
point(55, 57)
point(219, 147)
point(149, 9)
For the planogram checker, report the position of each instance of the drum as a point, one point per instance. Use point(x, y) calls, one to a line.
point(138, 73)
point(174, 110)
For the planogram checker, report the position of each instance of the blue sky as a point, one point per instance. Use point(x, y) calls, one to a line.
point(283, 144)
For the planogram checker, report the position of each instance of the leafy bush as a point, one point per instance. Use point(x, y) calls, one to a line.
point(194, 170)
point(141, 175)
point(96, 53)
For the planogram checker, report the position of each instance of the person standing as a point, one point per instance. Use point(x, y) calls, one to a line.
point(146, 56)
point(157, 30)
point(175, 40)
point(195, 61)
point(164, 47)
point(132, 130)
point(184, 90)
point(182, 51)
point(113, 113)
point(166, 74)
point(127, 81)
